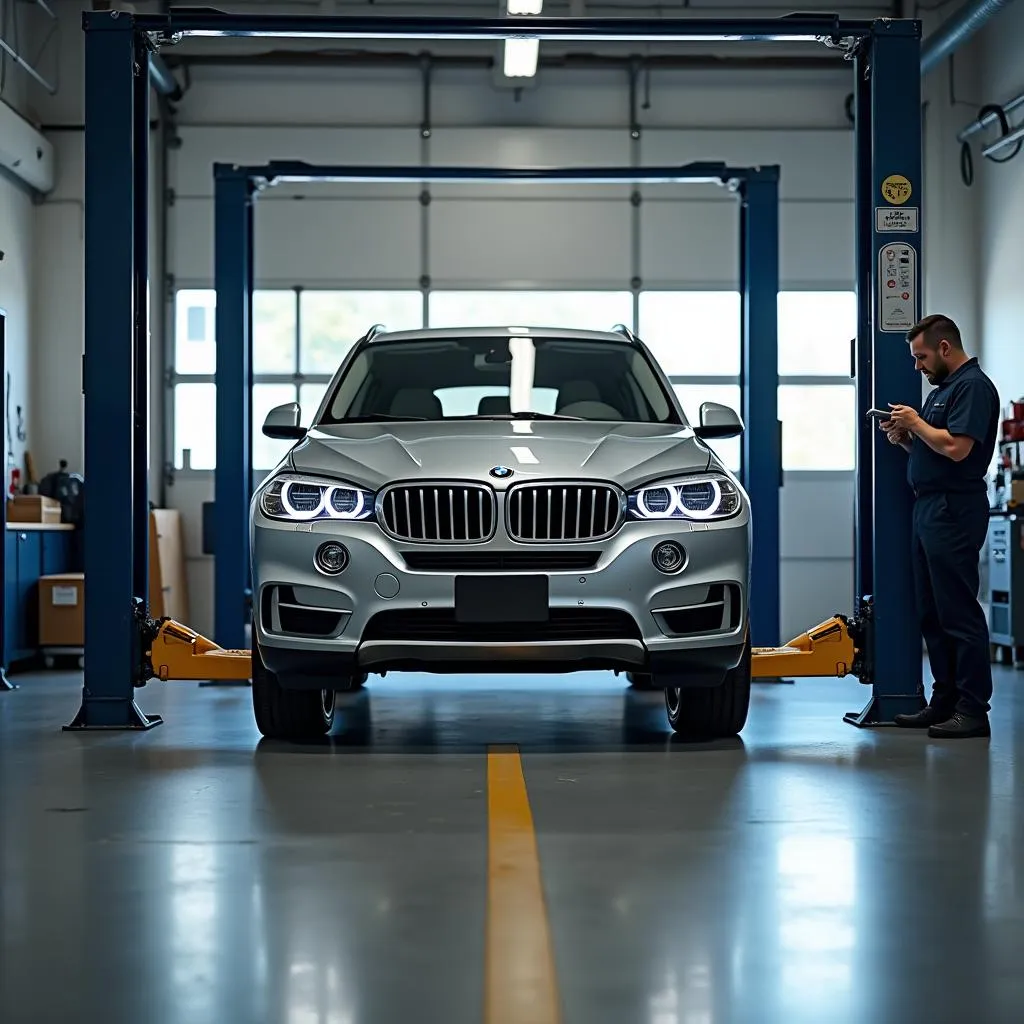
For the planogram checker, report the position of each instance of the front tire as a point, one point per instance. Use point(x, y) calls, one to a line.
point(716, 712)
point(281, 714)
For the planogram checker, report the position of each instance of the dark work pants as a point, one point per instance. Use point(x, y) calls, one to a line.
point(949, 532)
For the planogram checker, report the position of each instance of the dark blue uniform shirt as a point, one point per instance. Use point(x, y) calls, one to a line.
point(966, 402)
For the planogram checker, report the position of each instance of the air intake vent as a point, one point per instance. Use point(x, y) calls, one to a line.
point(440, 625)
point(438, 513)
point(563, 512)
point(718, 612)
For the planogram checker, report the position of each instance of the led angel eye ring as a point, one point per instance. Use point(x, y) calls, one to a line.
point(328, 503)
point(705, 513)
point(300, 513)
point(673, 503)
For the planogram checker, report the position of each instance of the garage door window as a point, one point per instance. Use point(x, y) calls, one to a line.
point(301, 335)
point(696, 337)
point(299, 338)
point(693, 334)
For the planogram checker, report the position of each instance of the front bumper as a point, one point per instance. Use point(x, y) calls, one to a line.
point(382, 614)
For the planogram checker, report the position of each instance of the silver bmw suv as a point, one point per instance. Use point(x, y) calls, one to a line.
point(500, 500)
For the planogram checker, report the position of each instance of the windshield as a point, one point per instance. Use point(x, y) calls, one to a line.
point(500, 378)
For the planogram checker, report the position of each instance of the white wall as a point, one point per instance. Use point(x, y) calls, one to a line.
point(17, 242)
point(973, 238)
point(58, 335)
point(951, 235)
point(1000, 189)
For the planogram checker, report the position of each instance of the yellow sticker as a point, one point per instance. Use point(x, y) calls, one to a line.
point(896, 189)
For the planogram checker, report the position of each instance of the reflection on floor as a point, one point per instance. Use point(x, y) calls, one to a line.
point(808, 872)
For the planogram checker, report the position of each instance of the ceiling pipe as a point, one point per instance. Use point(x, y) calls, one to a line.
point(956, 30)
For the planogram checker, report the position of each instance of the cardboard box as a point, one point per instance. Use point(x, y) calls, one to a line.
point(33, 508)
point(62, 610)
point(1016, 496)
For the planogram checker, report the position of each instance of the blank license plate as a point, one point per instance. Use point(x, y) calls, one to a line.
point(501, 598)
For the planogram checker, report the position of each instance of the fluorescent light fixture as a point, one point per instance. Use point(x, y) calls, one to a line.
point(521, 57)
point(525, 6)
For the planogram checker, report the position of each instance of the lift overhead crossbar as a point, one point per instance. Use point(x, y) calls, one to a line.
point(280, 171)
point(198, 21)
point(880, 644)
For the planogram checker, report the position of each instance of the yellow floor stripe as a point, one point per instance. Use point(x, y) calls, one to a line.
point(520, 985)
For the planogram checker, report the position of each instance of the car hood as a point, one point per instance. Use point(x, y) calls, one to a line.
point(372, 455)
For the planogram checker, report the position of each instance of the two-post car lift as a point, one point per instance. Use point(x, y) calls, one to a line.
point(125, 648)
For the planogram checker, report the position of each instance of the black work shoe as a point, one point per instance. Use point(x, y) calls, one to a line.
point(961, 727)
point(923, 718)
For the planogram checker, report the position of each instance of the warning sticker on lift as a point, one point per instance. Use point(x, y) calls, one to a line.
point(889, 219)
point(897, 287)
point(896, 189)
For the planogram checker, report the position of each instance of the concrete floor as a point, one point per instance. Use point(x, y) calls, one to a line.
point(808, 873)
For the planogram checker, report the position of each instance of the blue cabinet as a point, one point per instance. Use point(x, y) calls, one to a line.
point(30, 553)
point(56, 552)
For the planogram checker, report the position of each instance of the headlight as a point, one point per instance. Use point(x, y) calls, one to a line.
point(306, 498)
point(710, 496)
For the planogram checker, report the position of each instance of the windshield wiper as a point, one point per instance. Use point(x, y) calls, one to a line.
point(521, 416)
point(380, 418)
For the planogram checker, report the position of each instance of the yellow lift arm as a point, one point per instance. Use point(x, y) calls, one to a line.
point(829, 649)
point(173, 651)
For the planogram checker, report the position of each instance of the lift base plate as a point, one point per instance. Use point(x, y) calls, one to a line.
point(882, 711)
point(128, 716)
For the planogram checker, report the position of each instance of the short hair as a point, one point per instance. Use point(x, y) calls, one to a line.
point(934, 329)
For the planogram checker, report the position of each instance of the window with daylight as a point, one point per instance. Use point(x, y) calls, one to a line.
point(299, 339)
point(815, 332)
point(696, 337)
point(692, 334)
point(817, 397)
point(301, 336)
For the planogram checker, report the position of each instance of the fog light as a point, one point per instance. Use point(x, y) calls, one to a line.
point(331, 558)
point(668, 557)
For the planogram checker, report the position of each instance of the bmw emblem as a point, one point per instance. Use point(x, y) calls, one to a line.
point(501, 472)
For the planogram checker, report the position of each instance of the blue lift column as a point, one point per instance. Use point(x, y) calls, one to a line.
point(233, 199)
point(114, 140)
point(894, 271)
point(140, 421)
point(862, 356)
point(759, 379)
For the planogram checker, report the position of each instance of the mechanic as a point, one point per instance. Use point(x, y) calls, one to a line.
point(951, 443)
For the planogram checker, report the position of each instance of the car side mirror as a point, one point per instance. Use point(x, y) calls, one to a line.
point(717, 421)
point(283, 423)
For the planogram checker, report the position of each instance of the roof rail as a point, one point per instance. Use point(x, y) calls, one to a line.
point(625, 332)
point(373, 332)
